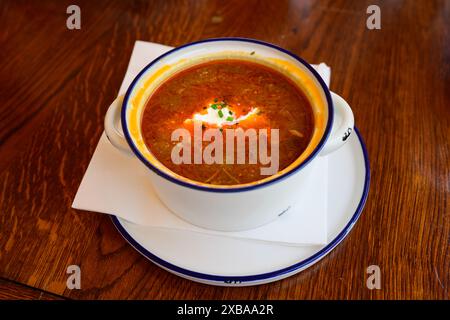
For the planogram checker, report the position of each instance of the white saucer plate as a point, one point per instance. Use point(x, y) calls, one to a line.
point(224, 261)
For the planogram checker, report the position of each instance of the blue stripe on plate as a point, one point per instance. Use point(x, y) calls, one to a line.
point(262, 276)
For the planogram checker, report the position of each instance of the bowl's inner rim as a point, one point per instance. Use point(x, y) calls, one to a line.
point(161, 71)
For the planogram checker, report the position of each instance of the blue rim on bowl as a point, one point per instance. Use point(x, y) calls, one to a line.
point(230, 189)
point(264, 276)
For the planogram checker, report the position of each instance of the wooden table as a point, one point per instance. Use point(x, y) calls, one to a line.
point(56, 85)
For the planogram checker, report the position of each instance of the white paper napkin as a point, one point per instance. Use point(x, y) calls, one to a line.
point(117, 184)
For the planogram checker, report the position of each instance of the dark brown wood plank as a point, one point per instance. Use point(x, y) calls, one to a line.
point(56, 84)
point(15, 291)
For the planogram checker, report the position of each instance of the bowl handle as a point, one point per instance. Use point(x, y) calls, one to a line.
point(113, 127)
point(342, 125)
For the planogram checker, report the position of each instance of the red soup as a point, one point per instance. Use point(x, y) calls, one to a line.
point(227, 94)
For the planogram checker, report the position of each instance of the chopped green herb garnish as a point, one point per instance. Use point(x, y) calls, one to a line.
point(220, 113)
point(229, 111)
point(252, 53)
point(214, 106)
point(221, 129)
point(230, 118)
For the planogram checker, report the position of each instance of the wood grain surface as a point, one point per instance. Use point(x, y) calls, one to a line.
point(15, 291)
point(56, 84)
